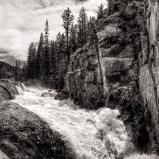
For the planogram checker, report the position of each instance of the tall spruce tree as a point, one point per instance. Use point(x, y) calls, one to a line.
point(46, 55)
point(113, 6)
point(17, 71)
point(31, 61)
point(92, 31)
point(110, 7)
point(82, 27)
point(100, 12)
point(73, 38)
point(46, 35)
point(39, 57)
point(67, 22)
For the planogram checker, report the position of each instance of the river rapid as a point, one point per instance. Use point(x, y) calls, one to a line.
point(91, 134)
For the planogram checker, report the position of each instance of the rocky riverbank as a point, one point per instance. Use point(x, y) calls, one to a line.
point(23, 135)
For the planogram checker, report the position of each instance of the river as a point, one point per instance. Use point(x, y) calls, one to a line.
point(92, 134)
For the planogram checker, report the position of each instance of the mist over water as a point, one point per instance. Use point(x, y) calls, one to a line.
point(91, 134)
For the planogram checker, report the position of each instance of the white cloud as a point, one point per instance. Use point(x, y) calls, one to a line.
point(21, 21)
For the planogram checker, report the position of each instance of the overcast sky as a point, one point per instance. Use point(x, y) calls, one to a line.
point(22, 21)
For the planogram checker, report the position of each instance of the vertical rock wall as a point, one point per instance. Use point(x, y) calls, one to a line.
point(122, 71)
point(149, 69)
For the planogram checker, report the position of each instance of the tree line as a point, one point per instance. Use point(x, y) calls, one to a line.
point(48, 62)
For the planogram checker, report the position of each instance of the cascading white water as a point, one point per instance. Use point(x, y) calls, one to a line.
point(92, 134)
point(20, 90)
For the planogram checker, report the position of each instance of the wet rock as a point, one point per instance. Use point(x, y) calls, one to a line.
point(23, 135)
point(10, 85)
point(50, 93)
point(62, 95)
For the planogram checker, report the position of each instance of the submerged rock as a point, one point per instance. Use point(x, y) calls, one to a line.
point(49, 93)
point(23, 135)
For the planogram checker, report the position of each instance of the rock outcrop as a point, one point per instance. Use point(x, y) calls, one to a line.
point(23, 135)
point(84, 80)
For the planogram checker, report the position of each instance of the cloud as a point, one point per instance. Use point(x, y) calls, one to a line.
point(22, 21)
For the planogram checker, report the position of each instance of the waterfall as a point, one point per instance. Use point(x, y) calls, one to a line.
point(20, 90)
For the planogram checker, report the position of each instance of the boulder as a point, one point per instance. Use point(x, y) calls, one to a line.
point(4, 95)
point(23, 135)
point(10, 85)
point(49, 93)
point(63, 95)
point(8, 89)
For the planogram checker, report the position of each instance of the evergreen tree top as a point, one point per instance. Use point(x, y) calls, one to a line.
point(67, 17)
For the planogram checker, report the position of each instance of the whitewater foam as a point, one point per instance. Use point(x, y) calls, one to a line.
point(91, 134)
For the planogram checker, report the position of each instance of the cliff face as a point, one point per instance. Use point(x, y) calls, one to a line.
point(121, 71)
point(120, 49)
point(149, 64)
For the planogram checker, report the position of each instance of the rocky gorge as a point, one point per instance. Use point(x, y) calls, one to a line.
point(114, 86)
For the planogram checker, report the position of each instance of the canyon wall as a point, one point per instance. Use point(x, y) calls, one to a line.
point(149, 64)
point(121, 70)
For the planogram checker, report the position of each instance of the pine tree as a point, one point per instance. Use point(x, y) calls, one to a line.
point(73, 38)
point(100, 12)
point(110, 7)
point(46, 54)
point(67, 22)
point(82, 27)
point(17, 71)
point(39, 57)
point(57, 45)
point(113, 6)
point(93, 39)
point(31, 61)
point(46, 35)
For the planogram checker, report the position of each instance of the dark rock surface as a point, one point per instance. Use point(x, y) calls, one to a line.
point(83, 80)
point(23, 135)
